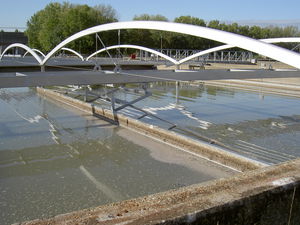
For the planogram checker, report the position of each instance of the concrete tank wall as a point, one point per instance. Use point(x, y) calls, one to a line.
point(266, 196)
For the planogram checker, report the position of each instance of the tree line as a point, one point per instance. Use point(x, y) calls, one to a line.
point(53, 24)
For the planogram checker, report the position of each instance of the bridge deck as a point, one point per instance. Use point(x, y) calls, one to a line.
point(51, 78)
point(29, 64)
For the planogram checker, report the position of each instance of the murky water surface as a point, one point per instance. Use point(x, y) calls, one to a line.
point(56, 159)
point(259, 126)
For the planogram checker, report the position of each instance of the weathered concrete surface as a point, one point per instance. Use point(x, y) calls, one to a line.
point(286, 87)
point(205, 150)
point(284, 84)
point(269, 195)
point(261, 64)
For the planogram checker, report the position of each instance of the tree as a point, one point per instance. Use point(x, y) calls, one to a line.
point(51, 32)
point(56, 22)
point(51, 25)
point(34, 26)
point(214, 24)
point(147, 38)
point(187, 41)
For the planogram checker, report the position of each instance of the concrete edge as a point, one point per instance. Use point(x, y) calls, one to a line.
point(256, 85)
point(205, 150)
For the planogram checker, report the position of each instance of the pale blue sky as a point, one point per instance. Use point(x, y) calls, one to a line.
point(15, 13)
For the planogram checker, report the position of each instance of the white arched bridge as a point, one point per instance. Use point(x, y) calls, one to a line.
point(157, 53)
point(134, 47)
point(262, 47)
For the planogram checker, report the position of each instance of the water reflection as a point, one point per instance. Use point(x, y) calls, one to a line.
point(268, 125)
point(55, 159)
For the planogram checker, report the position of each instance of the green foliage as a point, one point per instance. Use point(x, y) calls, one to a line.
point(147, 17)
point(257, 32)
point(147, 38)
point(186, 41)
point(56, 22)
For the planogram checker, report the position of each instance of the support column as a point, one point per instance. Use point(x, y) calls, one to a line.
point(85, 93)
point(113, 102)
point(177, 92)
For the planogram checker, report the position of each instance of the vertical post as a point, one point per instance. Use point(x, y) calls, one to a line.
point(119, 41)
point(177, 92)
point(160, 42)
point(113, 102)
point(96, 44)
point(105, 91)
point(85, 93)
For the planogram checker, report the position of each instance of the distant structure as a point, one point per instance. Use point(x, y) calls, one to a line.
point(7, 38)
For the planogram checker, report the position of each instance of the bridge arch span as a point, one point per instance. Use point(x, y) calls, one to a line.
point(269, 50)
point(223, 47)
point(64, 49)
point(25, 47)
point(35, 50)
point(134, 47)
point(74, 52)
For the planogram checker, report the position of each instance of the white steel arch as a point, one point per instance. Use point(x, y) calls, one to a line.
point(65, 49)
point(282, 40)
point(74, 52)
point(35, 50)
point(134, 47)
point(223, 47)
point(19, 45)
point(269, 50)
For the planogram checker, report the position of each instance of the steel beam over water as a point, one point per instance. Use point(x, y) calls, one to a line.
point(33, 79)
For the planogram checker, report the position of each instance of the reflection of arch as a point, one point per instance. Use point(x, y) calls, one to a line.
point(223, 47)
point(35, 50)
point(74, 52)
point(269, 50)
point(135, 47)
point(18, 45)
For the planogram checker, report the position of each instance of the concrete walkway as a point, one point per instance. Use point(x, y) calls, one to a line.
point(286, 86)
